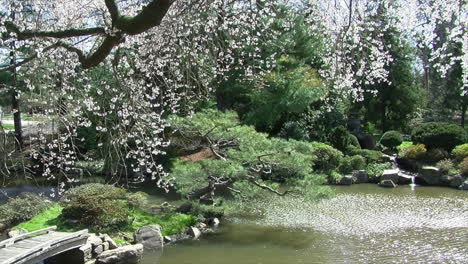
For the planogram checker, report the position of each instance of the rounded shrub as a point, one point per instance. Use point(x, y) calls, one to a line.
point(350, 163)
point(328, 158)
point(391, 139)
point(417, 152)
point(445, 166)
point(22, 208)
point(354, 142)
point(96, 205)
point(439, 135)
point(368, 154)
point(464, 167)
point(340, 138)
point(460, 152)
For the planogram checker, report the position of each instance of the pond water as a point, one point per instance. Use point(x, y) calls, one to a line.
point(362, 224)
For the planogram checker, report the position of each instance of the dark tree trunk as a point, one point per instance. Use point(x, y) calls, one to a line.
point(463, 113)
point(14, 98)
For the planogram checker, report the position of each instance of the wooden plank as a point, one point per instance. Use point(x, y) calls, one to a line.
point(7, 242)
point(54, 240)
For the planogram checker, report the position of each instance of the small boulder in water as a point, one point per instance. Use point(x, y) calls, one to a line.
point(346, 180)
point(456, 181)
point(390, 175)
point(464, 186)
point(387, 184)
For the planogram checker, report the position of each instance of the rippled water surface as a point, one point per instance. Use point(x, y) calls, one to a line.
point(362, 224)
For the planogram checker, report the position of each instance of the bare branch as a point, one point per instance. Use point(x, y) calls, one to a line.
point(68, 33)
point(268, 188)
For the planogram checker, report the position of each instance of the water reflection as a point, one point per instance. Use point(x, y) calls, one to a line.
point(363, 224)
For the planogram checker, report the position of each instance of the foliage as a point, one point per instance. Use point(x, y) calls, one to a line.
point(460, 152)
point(368, 154)
point(328, 158)
point(22, 208)
point(96, 205)
point(248, 160)
point(375, 170)
point(137, 200)
point(350, 163)
point(340, 138)
point(171, 224)
point(294, 130)
point(463, 166)
point(404, 144)
point(417, 152)
point(288, 90)
point(445, 166)
point(391, 139)
point(354, 141)
point(439, 135)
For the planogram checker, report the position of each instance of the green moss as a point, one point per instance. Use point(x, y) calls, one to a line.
point(8, 126)
point(48, 217)
point(170, 223)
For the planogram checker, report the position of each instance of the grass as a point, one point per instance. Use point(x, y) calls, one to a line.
point(27, 117)
point(8, 126)
point(170, 223)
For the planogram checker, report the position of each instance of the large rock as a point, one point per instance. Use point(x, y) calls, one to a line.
point(16, 232)
point(430, 175)
point(360, 176)
point(456, 181)
point(194, 232)
point(150, 237)
point(404, 178)
point(464, 186)
point(346, 180)
point(124, 255)
point(391, 175)
point(387, 184)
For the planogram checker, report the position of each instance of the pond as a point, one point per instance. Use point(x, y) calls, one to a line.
point(362, 224)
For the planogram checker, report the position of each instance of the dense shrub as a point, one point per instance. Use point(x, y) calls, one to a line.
point(435, 155)
point(340, 138)
point(460, 152)
point(445, 166)
point(97, 205)
point(417, 152)
point(369, 155)
point(137, 200)
point(350, 163)
point(464, 167)
point(327, 157)
point(391, 139)
point(22, 208)
point(404, 144)
point(375, 170)
point(295, 130)
point(354, 141)
point(439, 135)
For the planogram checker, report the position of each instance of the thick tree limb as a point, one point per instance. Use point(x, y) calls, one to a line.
point(150, 16)
point(113, 10)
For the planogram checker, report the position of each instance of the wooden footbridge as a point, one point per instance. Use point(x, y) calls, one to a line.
point(34, 247)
